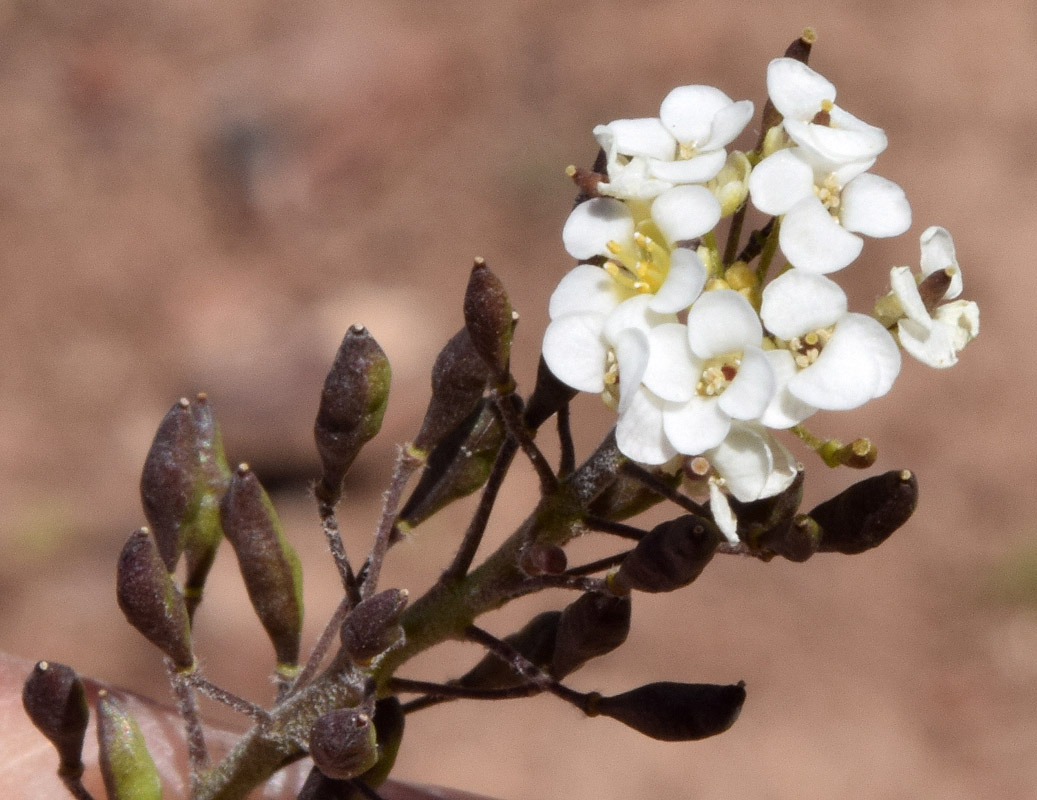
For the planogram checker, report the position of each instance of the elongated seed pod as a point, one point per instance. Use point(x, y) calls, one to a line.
point(488, 318)
point(864, 515)
point(54, 700)
point(674, 712)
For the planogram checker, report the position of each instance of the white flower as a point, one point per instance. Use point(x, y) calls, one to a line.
point(684, 145)
point(812, 120)
point(825, 206)
point(694, 380)
point(829, 358)
point(933, 335)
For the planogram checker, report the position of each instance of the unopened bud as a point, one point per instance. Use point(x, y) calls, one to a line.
point(352, 404)
point(858, 454)
point(151, 601)
point(541, 558)
point(674, 712)
point(269, 565)
point(459, 378)
point(343, 743)
point(628, 496)
point(670, 556)
point(535, 641)
point(591, 626)
point(866, 514)
point(373, 626)
point(488, 318)
point(167, 481)
point(767, 525)
point(126, 765)
point(549, 395)
point(389, 722)
point(54, 700)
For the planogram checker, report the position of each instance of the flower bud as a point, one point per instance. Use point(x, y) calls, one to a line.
point(769, 526)
point(54, 700)
point(674, 712)
point(549, 395)
point(126, 765)
point(670, 556)
point(352, 404)
point(151, 601)
point(535, 641)
point(591, 626)
point(541, 558)
point(459, 378)
point(373, 626)
point(457, 466)
point(343, 743)
point(268, 563)
point(628, 496)
point(488, 318)
point(864, 515)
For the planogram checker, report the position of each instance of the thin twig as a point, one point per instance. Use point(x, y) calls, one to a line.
point(756, 241)
point(454, 692)
point(615, 528)
point(661, 488)
point(517, 429)
point(564, 581)
point(320, 649)
point(734, 234)
point(229, 699)
point(76, 788)
point(187, 708)
point(567, 462)
point(477, 527)
point(404, 468)
point(597, 566)
point(329, 522)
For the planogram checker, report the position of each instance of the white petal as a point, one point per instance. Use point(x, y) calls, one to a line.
point(634, 314)
point(798, 302)
point(595, 223)
point(695, 426)
point(905, 289)
point(837, 145)
point(637, 137)
point(721, 512)
point(722, 322)
point(937, 254)
point(753, 464)
point(784, 410)
point(632, 180)
point(812, 240)
point(673, 371)
point(749, 394)
point(962, 317)
point(688, 112)
point(632, 358)
point(859, 363)
point(685, 212)
point(780, 181)
point(639, 432)
point(575, 351)
point(795, 89)
point(728, 124)
point(874, 206)
point(931, 345)
point(683, 282)
point(586, 289)
point(691, 170)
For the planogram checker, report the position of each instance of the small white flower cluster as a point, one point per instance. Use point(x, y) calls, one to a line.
point(702, 357)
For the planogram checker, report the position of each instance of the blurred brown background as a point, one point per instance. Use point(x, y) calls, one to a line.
point(204, 196)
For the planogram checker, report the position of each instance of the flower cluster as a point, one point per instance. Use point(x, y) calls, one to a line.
point(700, 350)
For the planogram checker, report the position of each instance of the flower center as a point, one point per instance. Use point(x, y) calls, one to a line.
point(642, 267)
point(718, 374)
point(805, 349)
point(610, 396)
point(829, 192)
point(824, 116)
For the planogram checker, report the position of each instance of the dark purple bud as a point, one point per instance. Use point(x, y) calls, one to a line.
point(352, 404)
point(796, 541)
point(268, 563)
point(592, 626)
point(549, 395)
point(167, 481)
point(373, 626)
point(151, 601)
point(456, 467)
point(768, 526)
point(54, 700)
point(535, 641)
point(866, 514)
point(343, 743)
point(541, 558)
point(459, 378)
point(489, 319)
point(670, 556)
point(126, 765)
point(674, 712)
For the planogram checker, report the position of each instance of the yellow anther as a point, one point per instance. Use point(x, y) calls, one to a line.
point(570, 170)
point(739, 276)
point(827, 105)
point(716, 283)
point(812, 338)
point(614, 247)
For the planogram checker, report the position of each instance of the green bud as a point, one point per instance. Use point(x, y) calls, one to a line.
point(459, 378)
point(488, 318)
point(864, 515)
point(373, 626)
point(457, 466)
point(126, 765)
point(535, 640)
point(674, 712)
point(343, 743)
point(549, 395)
point(268, 563)
point(54, 700)
point(591, 626)
point(670, 556)
point(352, 404)
point(151, 601)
